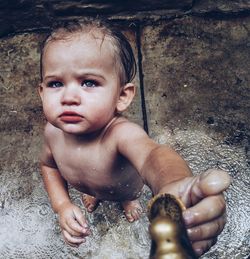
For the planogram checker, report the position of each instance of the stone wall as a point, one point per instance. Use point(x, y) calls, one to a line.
point(193, 93)
point(21, 15)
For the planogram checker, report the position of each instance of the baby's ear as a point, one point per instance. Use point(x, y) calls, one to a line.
point(40, 90)
point(126, 96)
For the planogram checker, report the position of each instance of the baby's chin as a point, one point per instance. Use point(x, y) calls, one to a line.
point(74, 130)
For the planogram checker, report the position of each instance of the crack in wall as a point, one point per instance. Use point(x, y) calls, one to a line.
point(141, 80)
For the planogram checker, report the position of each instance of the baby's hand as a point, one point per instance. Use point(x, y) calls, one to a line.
point(73, 224)
point(205, 216)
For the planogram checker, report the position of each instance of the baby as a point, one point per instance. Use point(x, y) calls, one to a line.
point(86, 83)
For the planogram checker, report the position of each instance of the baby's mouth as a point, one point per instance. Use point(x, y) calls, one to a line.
point(71, 117)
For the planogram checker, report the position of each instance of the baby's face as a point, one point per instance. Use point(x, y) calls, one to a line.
point(81, 85)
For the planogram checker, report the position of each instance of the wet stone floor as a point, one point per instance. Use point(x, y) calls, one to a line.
point(29, 228)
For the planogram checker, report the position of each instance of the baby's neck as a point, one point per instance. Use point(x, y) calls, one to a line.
point(90, 136)
point(86, 137)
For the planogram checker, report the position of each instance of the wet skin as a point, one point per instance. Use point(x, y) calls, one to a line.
point(94, 166)
point(88, 145)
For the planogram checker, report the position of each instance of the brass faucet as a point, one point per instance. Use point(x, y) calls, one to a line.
point(167, 229)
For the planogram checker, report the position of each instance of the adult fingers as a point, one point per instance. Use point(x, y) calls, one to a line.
point(214, 181)
point(206, 210)
point(208, 230)
point(203, 246)
point(209, 183)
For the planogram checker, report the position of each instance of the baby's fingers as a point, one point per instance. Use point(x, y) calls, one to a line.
point(79, 218)
point(74, 228)
point(206, 210)
point(72, 240)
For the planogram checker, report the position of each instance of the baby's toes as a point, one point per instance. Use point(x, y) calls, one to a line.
point(136, 213)
point(129, 216)
point(133, 214)
point(90, 202)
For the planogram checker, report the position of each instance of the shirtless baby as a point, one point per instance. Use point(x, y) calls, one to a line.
point(87, 71)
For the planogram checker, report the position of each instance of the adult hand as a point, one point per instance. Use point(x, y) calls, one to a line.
point(205, 216)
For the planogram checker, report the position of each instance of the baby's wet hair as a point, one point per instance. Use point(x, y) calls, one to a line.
point(123, 52)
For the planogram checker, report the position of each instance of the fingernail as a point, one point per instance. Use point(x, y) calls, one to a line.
point(85, 231)
point(188, 217)
point(85, 225)
point(198, 251)
point(190, 233)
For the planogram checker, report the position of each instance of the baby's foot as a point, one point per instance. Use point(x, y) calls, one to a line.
point(90, 202)
point(132, 210)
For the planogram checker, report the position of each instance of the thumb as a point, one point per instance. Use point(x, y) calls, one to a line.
point(211, 182)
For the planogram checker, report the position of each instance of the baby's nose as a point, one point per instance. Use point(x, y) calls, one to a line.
point(71, 95)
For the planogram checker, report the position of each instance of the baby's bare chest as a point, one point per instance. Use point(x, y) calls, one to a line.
point(97, 170)
point(81, 161)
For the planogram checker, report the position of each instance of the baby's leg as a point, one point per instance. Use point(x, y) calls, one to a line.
point(132, 210)
point(90, 202)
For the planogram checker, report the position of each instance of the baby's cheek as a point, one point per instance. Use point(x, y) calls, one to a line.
point(101, 115)
point(49, 110)
point(46, 109)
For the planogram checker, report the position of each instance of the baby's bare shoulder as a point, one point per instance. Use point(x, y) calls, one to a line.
point(123, 126)
point(46, 156)
point(132, 142)
point(125, 132)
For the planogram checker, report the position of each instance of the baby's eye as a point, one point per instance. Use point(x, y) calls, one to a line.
point(89, 83)
point(55, 84)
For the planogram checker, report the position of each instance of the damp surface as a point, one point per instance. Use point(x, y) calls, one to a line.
point(193, 77)
point(29, 228)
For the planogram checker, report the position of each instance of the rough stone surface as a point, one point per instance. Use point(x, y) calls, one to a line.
point(221, 6)
point(195, 82)
point(201, 74)
point(61, 8)
point(23, 15)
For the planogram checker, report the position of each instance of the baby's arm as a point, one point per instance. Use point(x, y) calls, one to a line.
point(164, 171)
point(73, 225)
